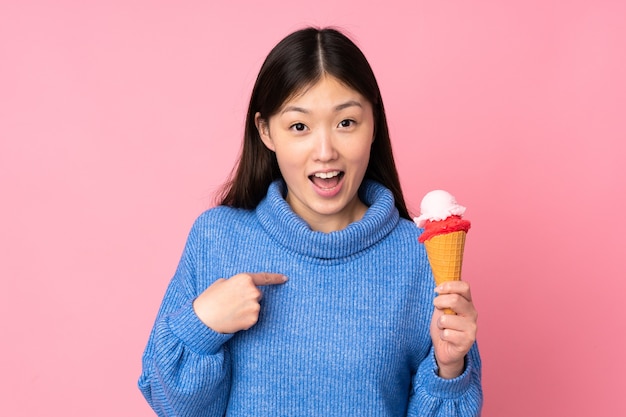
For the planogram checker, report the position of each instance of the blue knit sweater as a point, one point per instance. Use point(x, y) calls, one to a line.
point(347, 335)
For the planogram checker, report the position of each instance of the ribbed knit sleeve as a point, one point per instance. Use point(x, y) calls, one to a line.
point(458, 397)
point(186, 371)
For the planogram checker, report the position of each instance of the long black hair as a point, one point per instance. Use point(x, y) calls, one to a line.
point(298, 61)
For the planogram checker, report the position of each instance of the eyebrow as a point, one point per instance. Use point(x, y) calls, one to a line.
point(338, 108)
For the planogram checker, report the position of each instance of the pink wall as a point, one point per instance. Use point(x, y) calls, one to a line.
point(119, 119)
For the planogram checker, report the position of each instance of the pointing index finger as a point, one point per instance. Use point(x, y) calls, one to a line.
point(267, 278)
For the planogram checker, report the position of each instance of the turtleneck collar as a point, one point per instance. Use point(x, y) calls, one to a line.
point(292, 232)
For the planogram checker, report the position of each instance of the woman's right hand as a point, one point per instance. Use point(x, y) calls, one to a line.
point(230, 305)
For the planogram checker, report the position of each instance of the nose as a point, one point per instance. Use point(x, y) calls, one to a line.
point(325, 149)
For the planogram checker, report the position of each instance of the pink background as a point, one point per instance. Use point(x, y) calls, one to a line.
point(118, 120)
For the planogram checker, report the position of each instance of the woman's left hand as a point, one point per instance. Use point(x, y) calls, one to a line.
point(453, 334)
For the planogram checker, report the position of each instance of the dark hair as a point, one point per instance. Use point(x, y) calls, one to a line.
point(300, 60)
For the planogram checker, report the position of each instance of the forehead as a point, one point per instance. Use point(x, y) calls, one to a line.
point(328, 90)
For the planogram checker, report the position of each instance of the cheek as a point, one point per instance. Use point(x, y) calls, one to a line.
point(288, 162)
point(361, 154)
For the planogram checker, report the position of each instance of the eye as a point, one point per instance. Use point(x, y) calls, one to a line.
point(298, 127)
point(347, 123)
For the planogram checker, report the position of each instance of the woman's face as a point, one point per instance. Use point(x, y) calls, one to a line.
point(322, 139)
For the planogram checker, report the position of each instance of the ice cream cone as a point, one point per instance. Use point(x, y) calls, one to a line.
point(445, 255)
point(443, 235)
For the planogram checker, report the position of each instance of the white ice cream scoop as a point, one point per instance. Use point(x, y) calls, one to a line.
point(438, 205)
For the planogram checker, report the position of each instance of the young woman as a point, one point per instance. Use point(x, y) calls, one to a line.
point(305, 292)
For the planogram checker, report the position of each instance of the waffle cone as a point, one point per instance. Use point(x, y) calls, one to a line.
point(445, 255)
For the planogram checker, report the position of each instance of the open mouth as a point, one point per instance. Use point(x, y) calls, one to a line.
point(327, 180)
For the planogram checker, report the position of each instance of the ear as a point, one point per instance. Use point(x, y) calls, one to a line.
point(263, 128)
